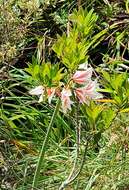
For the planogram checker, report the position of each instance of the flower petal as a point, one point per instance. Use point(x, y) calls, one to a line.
point(50, 93)
point(83, 66)
point(65, 98)
point(37, 91)
point(41, 98)
point(79, 93)
point(81, 77)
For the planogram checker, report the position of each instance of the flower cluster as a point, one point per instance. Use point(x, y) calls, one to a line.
point(84, 92)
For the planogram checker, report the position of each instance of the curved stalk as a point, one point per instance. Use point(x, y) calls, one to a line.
point(71, 179)
point(42, 152)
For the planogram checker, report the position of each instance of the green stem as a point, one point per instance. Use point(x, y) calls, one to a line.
point(42, 152)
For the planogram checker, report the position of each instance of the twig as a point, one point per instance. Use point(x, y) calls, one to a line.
point(78, 4)
point(124, 66)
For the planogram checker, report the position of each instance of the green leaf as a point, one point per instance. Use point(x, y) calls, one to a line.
point(106, 75)
point(124, 110)
point(108, 116)
point(117, 80)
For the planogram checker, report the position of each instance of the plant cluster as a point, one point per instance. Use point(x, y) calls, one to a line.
point(75, 134)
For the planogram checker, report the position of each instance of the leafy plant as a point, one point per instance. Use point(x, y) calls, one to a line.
point(86, 136)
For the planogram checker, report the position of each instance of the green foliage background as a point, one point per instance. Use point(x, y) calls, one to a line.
point(41, 42)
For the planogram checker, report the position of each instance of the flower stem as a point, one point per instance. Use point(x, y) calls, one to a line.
point(42, 152)
point(79, 4)
point(71, 178)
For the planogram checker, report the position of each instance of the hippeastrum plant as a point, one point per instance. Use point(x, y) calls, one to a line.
point(79, 87)
point(72, 83)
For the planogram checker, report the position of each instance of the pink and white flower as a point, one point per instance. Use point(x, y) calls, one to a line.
point(91, 90)
point(50, 94)
point(84, 94)
point(39, 91)
point(82, 77)
point(65, 99)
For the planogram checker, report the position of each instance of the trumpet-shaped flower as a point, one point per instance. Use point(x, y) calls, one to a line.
point(39, 91)
point(82, 77)
point(87, 92)
point(91, 90)
point(65, 99)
